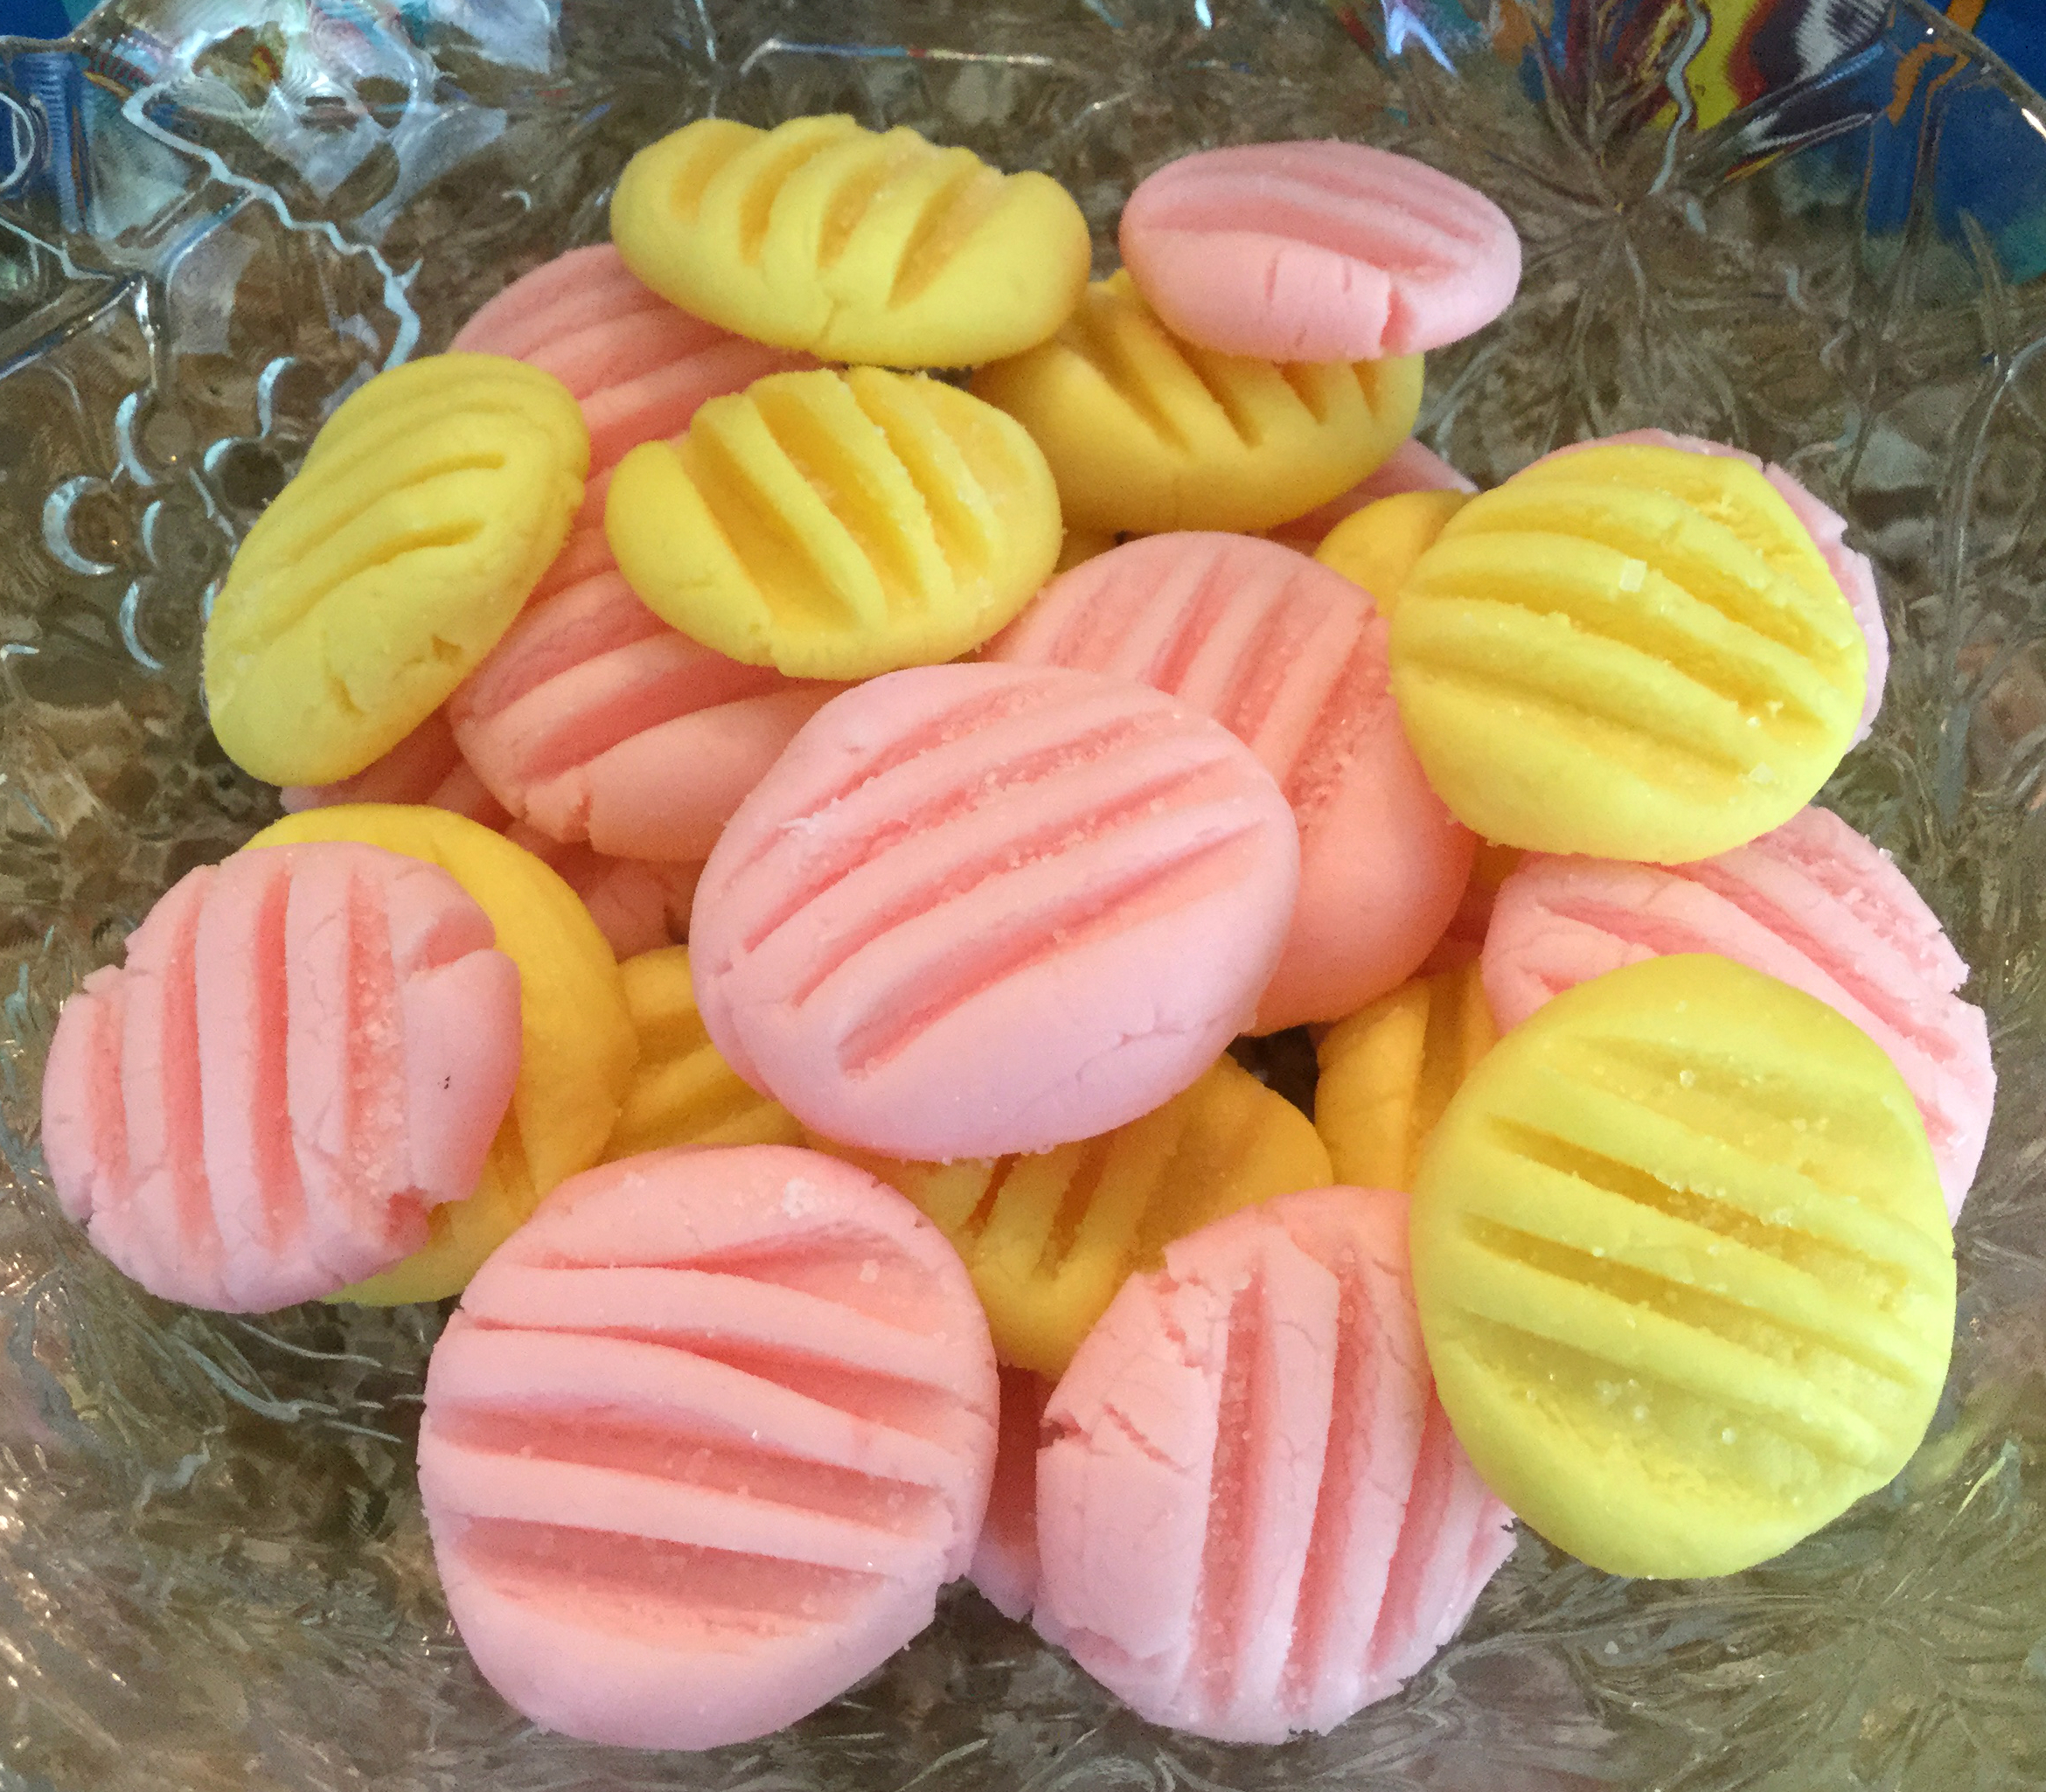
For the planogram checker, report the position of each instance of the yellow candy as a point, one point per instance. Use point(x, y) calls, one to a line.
point(1684, 1268)
point(1146, 433)
point(682, 1092)
point(1633, 652)
point(1082, 544)
point(1049, 1238)
point(838, 525)
point(1376, 546)
point(428, 507)
point(1388, 1071)
point(856, 245)
point(577, 1043)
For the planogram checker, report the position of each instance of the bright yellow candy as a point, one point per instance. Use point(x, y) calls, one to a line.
point(1049, 1238)
point(1388, 1071)
point(1376, 546)
point(1684, 1268)
point(682, 1092)
point(1146, 433)
point(428, 507)
point(577, 1043)
point(838, 524)
point(1634, 652)
point(855, 244)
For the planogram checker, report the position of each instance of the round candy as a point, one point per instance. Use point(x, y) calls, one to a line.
point(838, 524)
point(577, 1043)
point(856, 244)
point(1412, 466)
point(1811, 903)
point(1318, 252)
point(1251, 1515)
point(1684, 1270)
point(429, 505)
point(682, 1092)
point(1376, 547)
point(703, 1442)
point(1291, 659)
point(1049, 1238)
point(638, 904)
point(978, 909)
point(1635, 652)
point(1145, 433)
point(308, 1050)
point(579, 717)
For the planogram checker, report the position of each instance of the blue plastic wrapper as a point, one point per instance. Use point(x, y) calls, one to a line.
point(1816, 228)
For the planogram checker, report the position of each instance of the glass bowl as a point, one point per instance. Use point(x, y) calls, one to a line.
point(1817, 230)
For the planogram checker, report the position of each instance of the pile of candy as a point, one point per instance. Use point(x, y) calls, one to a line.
point(1003, 758)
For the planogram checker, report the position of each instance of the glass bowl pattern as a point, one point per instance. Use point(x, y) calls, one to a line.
point(1813, 227)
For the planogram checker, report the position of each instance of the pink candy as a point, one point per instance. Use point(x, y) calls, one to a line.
point(705, 1438)
point(308, 1048)
point(1317, 252)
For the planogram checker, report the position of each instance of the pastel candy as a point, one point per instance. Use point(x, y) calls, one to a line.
point(978, 909)
point(1291, 659)
point(703, 1442)
point(594, 720)
point(1413, 466)
point(1251, 1515)
point(855, 244)
point(838, 525)
point(1377, 546)
point(638, 365)
point(1850, 569)
point(1145, 433)
point(1635, 652)
point(1811, 903)
point(682, 1092)
point(576, 1046)
point(1004, 1559)
point(1049, 1238)
point(1685, 1273)
point(308, 1049)
point(1318, 252)
point(425, 767)
point(429, 505)
point(1387, 1071)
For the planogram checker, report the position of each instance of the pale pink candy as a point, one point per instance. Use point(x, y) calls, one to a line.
point(1827, 528)
point(308, 1049)
point(706, 1436)
point(976, 909)
point(638, 365)
point(594, 720)
point(1317, 252)
point(1811, 903)
point(1289, 656)
point(1412, 466)
point(1004, 1560)
point(427, 767)
point(637, 904)
point(1252, 1519)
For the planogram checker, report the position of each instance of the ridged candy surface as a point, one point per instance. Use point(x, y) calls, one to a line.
point(577, 1043)
point(1388, 1071)
point(838, 524)
point(594, 720)
point(1251, 1515)
point(1049, 1238)
point(702, 1444)
point(1811, 903)
point(855, 244)
point(1289, 657)
point(308, 1049)
point(682, 1092)
point(1146, 433)
point(429, 505)
point(1684, 1269)
point(978, 909)
point(1635, 652)
point(1318, 252)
